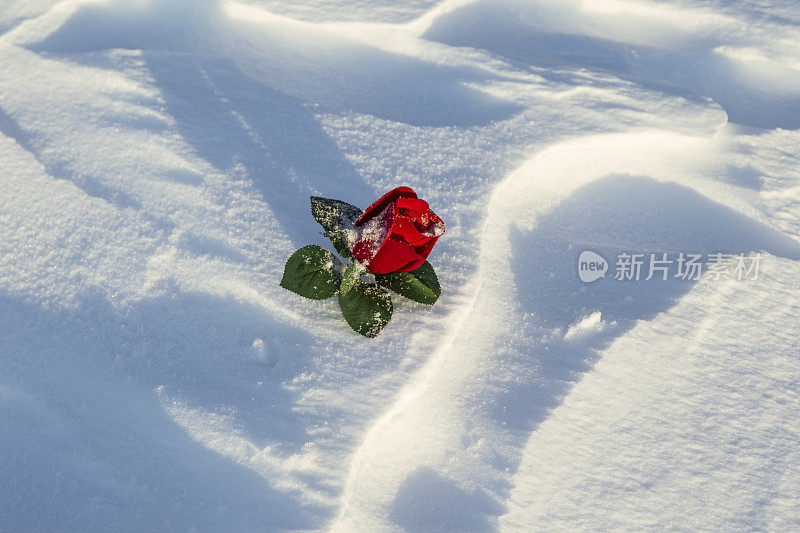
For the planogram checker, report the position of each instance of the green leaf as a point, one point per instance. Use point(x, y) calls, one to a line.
point(339, 241)
point(337, 218)
point(351, 276)
point(420, 285)
point(313, 272)
point(366, 307)
point(334, 214)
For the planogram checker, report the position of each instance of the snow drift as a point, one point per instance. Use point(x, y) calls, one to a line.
point(157, 161)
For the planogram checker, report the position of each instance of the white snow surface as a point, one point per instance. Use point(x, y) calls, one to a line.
point(156, 160)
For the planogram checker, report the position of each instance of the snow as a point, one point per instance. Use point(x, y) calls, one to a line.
point(157, 160)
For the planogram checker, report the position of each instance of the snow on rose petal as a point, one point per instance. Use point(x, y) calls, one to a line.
point(396, 232)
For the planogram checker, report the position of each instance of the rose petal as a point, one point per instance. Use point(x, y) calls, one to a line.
point(425, 250)
point(392, 256)
point(362, 250)
point(378, 205)
point(370, 236)
point(413, 265)
point(418, 205)
point(406, 228)
point(434, 227)
point(419, 211)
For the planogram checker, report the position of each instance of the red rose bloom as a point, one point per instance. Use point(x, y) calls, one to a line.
point(396, 232)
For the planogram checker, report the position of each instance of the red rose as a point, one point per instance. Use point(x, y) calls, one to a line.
point(397, 232)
